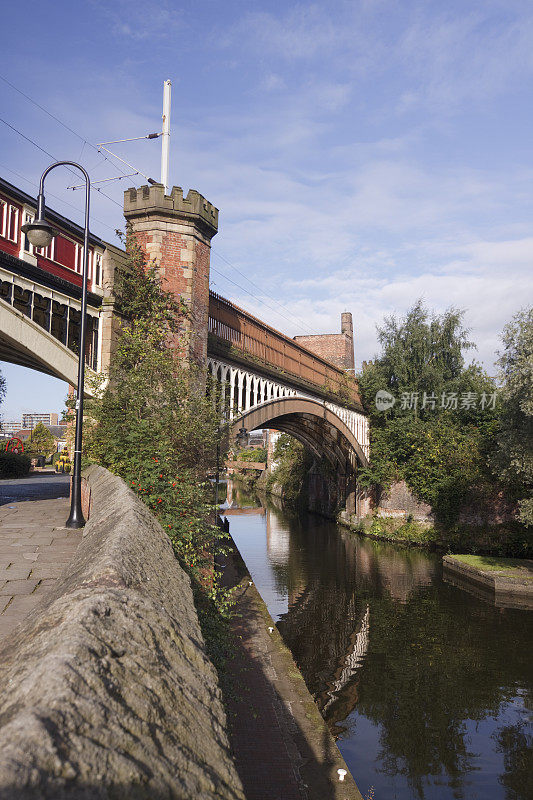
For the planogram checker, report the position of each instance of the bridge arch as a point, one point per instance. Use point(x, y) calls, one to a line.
point(310, 421)
point(24, 342)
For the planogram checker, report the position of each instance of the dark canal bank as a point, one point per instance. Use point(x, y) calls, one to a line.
point(427, 688)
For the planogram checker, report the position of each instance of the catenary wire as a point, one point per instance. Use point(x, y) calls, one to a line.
point(60, 121)
point(263, 302)
point(38, 146)
point(294, 318)
point(55, 196)
point(85, 141)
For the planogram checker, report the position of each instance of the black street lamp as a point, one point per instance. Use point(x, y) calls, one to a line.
point(40, 234)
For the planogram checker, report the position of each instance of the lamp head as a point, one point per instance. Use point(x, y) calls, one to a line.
point(242, 437)
point(39, 232)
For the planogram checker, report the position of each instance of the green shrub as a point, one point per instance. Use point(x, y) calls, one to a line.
point(153, 425)
point(258, 455)
point(14, 465)
point(293, 465)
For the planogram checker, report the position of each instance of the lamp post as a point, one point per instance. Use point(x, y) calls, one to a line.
point(40, 234)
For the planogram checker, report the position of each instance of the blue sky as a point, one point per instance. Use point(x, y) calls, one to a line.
point(362, 154)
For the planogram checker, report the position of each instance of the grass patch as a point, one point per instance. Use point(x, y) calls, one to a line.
point(510, 543)
point(494, 564)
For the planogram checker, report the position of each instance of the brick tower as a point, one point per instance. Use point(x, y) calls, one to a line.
point(175, 232)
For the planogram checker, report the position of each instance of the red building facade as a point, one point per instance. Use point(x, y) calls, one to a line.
point(44, 284)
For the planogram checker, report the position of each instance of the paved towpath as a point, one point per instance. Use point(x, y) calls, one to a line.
point(34, 549)
point(36, 486)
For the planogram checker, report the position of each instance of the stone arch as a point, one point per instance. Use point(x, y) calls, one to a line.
point(24, 342)
point(311, 422)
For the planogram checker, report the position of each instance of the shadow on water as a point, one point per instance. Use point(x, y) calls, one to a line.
point(272, 754)
point(427, 688)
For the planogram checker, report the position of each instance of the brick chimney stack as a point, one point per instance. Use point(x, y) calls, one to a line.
point(175, 232)
point(347, 330)
point(335, 347)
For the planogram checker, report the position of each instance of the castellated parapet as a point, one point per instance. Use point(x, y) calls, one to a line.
point(175, 232)
point(152, 200)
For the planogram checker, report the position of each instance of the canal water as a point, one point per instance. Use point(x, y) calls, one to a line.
point(426, 688)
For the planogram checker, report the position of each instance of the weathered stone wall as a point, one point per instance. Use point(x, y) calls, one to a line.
point(400, 501)
point(106, 690)
point(481, 509)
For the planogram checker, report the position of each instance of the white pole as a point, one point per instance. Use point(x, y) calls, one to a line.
point(165, 146)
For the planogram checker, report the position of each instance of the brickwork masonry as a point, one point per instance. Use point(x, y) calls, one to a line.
point(175, 233)
point(334, 347)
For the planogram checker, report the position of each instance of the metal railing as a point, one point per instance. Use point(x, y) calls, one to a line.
point(255, 339)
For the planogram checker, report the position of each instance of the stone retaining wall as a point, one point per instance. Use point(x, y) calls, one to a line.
point(106, 690)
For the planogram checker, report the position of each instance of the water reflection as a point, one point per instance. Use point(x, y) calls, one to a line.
point(427, 688)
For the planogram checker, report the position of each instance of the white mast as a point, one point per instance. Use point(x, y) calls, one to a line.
point(165, 146)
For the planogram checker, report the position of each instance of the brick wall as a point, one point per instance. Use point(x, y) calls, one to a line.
point(334, 347)
point(175, 233)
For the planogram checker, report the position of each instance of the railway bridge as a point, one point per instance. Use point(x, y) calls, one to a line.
point(262, 378)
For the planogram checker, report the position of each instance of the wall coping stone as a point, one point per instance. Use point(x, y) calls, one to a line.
point(106, 690)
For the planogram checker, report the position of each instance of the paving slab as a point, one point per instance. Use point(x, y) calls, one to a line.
point(19, 587)
point(35, 547)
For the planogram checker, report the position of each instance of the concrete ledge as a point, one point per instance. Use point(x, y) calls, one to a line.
point(106, 690)
point(501, 578)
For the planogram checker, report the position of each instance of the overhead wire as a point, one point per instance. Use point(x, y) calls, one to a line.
point(56, 196)
point(64, 124)
point(259, 300)
point(38, 146)
point(85, 142)
point(260, 289)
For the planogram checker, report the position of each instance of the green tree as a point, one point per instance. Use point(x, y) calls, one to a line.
point(513, 459)
point(293, 464)
point(258, 454)
point(42, 442)
point(152, 424)
point(441, 452)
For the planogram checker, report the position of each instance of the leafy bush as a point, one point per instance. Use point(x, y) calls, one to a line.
point(504, 540)
point(153, 425)
point(14, 465)
point(258, 454)
point(441, 453)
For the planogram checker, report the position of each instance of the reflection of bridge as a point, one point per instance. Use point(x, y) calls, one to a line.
point(262, 377)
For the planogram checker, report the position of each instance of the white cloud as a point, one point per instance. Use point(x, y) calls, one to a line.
point(155, 20)
point(328, 198)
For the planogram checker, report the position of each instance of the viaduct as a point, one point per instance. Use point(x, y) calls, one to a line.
point(303, 386)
